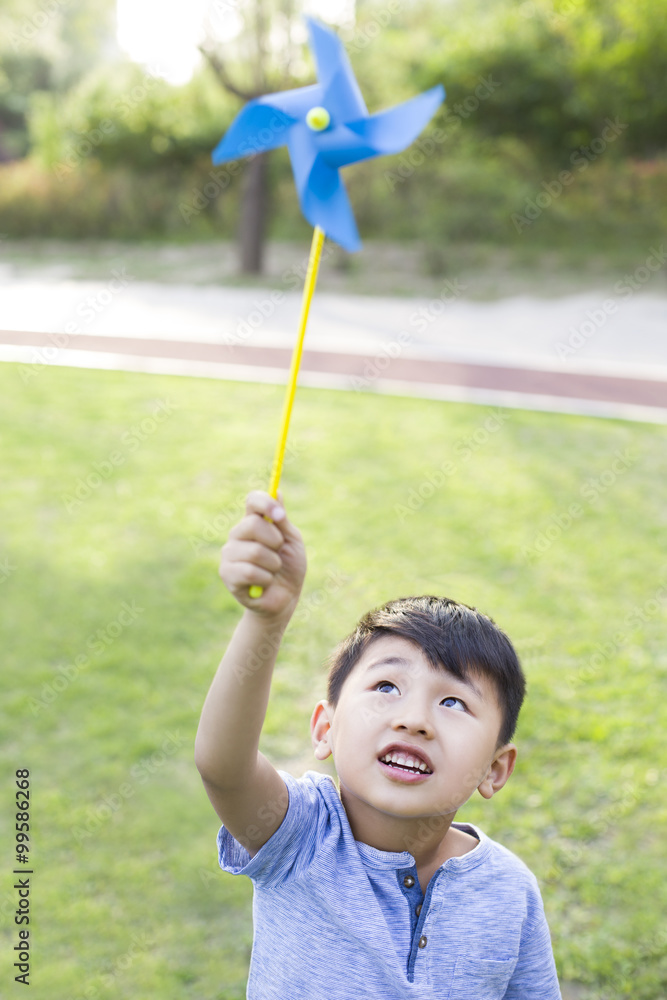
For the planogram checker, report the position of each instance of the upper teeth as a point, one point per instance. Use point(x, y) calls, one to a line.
point(405, 759)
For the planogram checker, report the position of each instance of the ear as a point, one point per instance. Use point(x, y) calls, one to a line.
point(320, 726)
point(499, 771)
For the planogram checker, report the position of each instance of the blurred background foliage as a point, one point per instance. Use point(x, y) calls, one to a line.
point(94, 145)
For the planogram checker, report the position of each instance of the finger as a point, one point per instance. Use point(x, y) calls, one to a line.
point(255, 528)
point(237, 551)
point(240, 576)
point(289, 531)
point(260, 502)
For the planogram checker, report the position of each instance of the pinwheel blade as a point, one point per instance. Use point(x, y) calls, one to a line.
point(322, 194)
point(341, 146)
point(392, 130)
point(296, 103)
point(342, 96)
point(256, 129)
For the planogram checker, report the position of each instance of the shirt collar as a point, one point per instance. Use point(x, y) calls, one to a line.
point(391, 860)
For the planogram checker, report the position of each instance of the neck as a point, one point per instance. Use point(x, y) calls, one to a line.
point(428, 839)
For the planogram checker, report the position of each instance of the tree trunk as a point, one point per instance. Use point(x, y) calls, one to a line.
point(254, 205)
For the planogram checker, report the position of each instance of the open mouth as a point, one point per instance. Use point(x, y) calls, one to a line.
point(404, 763)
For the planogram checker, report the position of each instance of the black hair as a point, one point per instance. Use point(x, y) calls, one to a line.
point(452, 635)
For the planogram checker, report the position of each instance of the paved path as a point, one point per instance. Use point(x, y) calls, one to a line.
point(600, 353)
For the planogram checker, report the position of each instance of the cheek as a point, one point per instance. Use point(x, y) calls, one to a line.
point(469, 765)
point(348, 739)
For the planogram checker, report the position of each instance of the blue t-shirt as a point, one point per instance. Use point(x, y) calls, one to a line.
point(336, 919)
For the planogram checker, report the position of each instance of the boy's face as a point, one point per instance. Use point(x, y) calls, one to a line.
point(394, 697)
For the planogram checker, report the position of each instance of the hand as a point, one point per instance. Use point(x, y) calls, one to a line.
point(271, 555)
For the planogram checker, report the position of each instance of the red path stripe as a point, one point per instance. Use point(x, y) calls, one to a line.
point(603, 388)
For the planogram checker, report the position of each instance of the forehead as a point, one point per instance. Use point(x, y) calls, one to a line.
point(402, 655)
point(392, 648)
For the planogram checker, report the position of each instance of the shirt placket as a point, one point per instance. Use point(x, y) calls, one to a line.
point(419, 909)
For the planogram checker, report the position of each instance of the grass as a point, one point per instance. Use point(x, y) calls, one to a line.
point(127, 899)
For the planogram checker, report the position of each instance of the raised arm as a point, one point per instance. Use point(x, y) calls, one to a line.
point(245, 789)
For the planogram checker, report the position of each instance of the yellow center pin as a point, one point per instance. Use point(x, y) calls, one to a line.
point(318, 119)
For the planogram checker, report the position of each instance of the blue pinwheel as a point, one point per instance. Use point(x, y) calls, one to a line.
point(326, 126)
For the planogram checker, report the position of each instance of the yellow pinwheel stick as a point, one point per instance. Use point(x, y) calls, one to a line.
point(308, 290)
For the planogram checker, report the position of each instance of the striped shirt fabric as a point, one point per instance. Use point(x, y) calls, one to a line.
point(336, 919)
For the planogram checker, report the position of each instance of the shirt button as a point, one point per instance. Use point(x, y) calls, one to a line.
point(418, 909)
point(408, 881)
point(422, 942)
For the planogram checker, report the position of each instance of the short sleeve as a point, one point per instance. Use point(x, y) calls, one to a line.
point(534, 976)
point(289, 852)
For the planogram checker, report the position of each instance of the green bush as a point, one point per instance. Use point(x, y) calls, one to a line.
point(563, 68)
point(118, 204)
point(127, 116)
point(464, 190)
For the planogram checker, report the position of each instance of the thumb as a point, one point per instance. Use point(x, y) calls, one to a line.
point(289, 530)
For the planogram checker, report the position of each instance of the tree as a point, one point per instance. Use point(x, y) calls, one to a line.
point(267, 44)
point(560, 71)
point(46, 47)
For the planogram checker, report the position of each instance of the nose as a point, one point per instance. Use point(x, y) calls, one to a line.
point(413, 719)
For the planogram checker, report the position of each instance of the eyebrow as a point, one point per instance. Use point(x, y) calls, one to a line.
point(400, 661)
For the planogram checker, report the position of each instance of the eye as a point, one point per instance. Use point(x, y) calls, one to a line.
point(455, 703)
point(382, 684)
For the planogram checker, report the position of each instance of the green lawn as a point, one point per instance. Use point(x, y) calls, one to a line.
point(115, 619)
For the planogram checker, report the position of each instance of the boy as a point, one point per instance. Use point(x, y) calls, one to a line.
point(373, 891)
